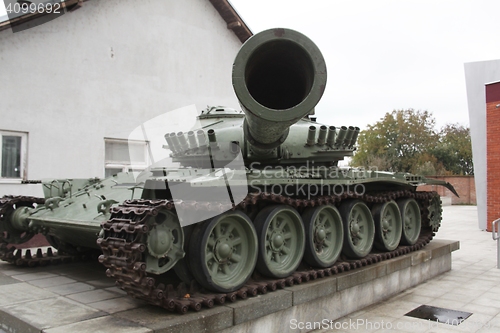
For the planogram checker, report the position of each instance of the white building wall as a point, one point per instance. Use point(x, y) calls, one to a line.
point(103, 70)
point(477, 74)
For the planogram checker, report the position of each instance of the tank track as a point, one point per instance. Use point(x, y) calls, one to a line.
point(123, 247)
point(13, 255)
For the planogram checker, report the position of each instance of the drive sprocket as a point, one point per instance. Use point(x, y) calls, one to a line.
point(434, 212)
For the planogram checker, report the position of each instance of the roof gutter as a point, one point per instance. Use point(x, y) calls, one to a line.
point(233, 19)
point(223, 7)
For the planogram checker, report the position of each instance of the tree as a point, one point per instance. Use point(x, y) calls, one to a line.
point(405, 141)
point(454, 150)
point(401, 141)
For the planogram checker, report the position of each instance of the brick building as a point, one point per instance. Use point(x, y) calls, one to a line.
point(493, 151)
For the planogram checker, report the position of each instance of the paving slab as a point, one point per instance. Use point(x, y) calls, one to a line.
point(10, 270)
point(5, 280)
point(101, 283)
point(51, 282)
point(70, 288)
point(46, 313)
point(94, 296)
point(261, 305)
point(160, 321)
point(306, 292)
point(119, 304)
point(22, 292)
point(101, 325)
point(397, 264)
point(364, 274)
point(33, 275)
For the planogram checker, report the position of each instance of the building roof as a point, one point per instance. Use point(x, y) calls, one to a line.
point(232, 18)
point(223, 7)
point(490, 83)
point(493, 92)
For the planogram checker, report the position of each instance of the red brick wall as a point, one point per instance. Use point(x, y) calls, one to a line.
point(492, 152)
point(464, 185)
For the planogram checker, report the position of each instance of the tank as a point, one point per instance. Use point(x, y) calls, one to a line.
point(248, 201)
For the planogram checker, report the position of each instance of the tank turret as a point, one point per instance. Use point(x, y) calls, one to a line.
point(279, 76)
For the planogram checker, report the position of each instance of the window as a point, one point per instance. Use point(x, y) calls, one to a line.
point(13, 155)
point(124, 156)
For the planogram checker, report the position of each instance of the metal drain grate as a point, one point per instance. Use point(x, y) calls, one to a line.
point(441, 315)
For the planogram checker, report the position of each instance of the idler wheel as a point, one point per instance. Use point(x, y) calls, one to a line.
point(223, 251)
point(12, 230)
point(359, 228)
point(324, 235)
point(281, 240)
point(410, 215)
point(388, 225)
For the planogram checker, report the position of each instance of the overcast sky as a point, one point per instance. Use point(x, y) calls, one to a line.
point(388, 54)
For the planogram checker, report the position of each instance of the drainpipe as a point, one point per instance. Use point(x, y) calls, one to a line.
point(495, 235)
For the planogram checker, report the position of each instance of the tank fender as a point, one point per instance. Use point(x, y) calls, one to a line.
point(430, 181)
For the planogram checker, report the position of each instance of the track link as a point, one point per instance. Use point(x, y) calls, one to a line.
point(123, 248)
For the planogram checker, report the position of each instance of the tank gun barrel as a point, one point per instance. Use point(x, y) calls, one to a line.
point(279, 75)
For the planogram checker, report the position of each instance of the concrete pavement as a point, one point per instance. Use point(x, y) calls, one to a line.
point(79, 297)
point(473, 285)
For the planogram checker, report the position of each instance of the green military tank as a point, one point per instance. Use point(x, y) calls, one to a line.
point(247, 201)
